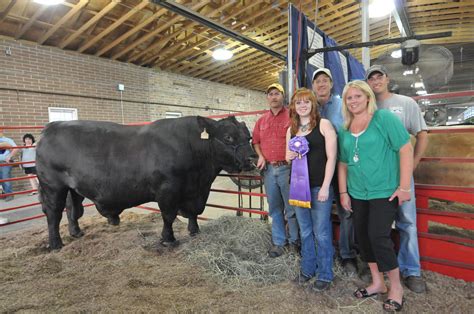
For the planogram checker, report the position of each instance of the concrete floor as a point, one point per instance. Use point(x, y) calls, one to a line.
point(218, 198)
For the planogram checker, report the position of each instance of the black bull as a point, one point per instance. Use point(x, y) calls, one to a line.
point(117, 167)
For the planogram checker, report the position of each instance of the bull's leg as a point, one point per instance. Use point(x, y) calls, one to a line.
point(113, 220)
point(52, 202)
point(74, 211)
point(167, 234)
point(193, 226)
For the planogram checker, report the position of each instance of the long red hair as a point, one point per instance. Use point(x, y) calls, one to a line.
point(303, 94)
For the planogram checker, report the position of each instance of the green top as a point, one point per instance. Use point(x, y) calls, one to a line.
point(373, 160)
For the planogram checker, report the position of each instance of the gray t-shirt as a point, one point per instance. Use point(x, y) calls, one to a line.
point(407, 110)
point(28, 154)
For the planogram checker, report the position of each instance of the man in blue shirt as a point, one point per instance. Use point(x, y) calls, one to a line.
point(330, 108)
point(6, 155)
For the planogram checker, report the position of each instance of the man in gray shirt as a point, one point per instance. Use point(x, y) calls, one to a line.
point(410, 115)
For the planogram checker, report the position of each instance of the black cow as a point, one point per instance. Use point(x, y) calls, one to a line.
point(171, 161)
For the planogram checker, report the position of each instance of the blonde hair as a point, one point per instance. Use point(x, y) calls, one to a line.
point(363, 87)
point(303, 94)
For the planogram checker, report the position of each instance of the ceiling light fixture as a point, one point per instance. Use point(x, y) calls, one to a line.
point(380, 8)
point(222, 54)
point(396, 54)
point(49, 2)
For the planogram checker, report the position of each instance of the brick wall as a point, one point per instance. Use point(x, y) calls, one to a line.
point(34, 78)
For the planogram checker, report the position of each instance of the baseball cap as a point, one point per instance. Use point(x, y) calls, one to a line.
point(322, 70)
point(375, 68)
point(277, 86)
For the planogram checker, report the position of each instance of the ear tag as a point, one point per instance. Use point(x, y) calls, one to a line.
point(204, 135)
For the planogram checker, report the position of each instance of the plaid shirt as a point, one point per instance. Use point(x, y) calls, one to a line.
point(270, 133)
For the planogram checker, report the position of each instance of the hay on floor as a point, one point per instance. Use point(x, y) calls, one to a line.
point(235, 250)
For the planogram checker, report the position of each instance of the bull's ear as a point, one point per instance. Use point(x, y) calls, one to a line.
point(208, 124)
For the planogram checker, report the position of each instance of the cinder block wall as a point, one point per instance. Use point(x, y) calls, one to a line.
point(34, 78)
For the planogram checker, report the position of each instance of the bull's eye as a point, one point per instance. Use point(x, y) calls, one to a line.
point(228, 138)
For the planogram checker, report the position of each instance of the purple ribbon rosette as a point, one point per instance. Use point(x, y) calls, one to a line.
point(300, 194)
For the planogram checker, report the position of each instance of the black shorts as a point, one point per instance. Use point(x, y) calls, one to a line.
point(30, 170)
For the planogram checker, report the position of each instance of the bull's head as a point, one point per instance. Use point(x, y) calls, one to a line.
point(231, 143)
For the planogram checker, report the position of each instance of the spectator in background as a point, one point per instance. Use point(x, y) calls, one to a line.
point(375, 167)
point(408, 111)
point(29, 154)
point(6, 156)
point(330, 107)
point(269, 141)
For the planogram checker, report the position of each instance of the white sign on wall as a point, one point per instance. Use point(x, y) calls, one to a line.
point(62, 114)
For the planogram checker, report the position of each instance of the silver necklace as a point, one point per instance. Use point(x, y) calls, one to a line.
point(304, 127)
point(356, 151)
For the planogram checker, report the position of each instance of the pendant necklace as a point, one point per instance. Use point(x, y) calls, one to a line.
point(304, 127)
point(356, 151)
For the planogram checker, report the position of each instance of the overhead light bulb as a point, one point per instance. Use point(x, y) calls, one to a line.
point(396, 54)
point(380, 8)
point(49, 2)
point(222, 54)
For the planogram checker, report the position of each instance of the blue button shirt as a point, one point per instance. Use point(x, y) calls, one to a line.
point(332, 111)
point(5, 152)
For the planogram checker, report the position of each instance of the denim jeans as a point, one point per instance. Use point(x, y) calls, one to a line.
point(277, 188)
point(408, 255)
point(346, 228)
point(5, 173)
point(317, 250)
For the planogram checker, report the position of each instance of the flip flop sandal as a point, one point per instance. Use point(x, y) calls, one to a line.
point(362, 293)
point(394, 306)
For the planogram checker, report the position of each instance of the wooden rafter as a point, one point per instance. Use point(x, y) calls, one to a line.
point(89, 23)
point(63, 20)
point(114, 25)
point(151, 34)
point(162, 42)
point(31, 21)
point(5, 12)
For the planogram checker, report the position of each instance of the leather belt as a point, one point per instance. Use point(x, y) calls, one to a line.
point(278, 163)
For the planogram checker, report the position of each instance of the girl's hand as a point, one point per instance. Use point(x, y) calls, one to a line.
point(323, 194)
point(346, 202)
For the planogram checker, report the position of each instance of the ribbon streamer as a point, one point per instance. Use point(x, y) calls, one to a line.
point(300, 194)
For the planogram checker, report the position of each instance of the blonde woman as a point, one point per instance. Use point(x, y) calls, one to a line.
point(375, 166)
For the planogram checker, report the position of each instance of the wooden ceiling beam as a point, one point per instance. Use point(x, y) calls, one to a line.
point(31, 21)
point(212, 45)
point(235, 27)
point(114, 25)
point(210, 64)
point(156, 31)
point(64, 19)
point(5, 12)
point(223, 71)
point(131, 32)
point(89, 23)
point(162, 42)
point(264, 35)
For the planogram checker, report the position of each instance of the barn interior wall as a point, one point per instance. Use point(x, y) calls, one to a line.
point(35, 78)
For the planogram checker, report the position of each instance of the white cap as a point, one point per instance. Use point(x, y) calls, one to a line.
point(322, 70)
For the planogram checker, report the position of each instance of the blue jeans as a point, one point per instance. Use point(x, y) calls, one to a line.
point(317, 250)
point(277, 188)
point(6, 173)
point(408, 255)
